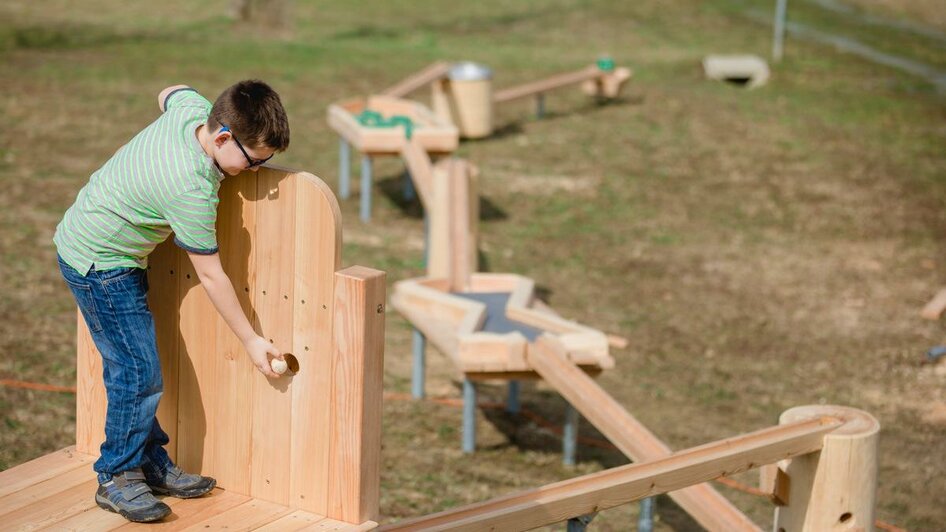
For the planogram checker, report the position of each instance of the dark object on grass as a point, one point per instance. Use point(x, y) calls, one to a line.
point(936, 352)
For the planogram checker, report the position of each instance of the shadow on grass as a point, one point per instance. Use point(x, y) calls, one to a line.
point(525, 434)
point(393, 188)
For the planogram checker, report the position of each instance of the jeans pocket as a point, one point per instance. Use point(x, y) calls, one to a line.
point(114, 275)
point(86, 302)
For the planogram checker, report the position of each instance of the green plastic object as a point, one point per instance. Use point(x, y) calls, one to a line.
point(606, 63)
point(371, 118)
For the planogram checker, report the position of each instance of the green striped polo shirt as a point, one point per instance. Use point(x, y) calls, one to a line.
point(160, 182)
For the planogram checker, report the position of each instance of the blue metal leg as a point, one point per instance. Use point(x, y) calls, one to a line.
point(645, 523)
point(540, 106)
point(512, 401)
point(365, 188)
point(580, 524)
point(417, 382)
point(407, 187)
point(469, 416)
point(570, 435)
point(344, 168)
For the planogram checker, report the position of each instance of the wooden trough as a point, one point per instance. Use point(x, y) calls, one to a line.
point(427, 136)
point(299, 452)
point(488, 328)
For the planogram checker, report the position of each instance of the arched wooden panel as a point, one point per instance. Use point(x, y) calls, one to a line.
point(280, 243)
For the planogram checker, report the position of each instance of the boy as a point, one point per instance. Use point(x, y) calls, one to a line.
point(164, 180)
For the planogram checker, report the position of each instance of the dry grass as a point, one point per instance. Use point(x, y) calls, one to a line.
point(761, 250)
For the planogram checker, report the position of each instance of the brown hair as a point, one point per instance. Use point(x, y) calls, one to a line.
point(253, 112)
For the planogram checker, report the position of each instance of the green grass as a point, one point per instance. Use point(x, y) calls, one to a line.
point(760, 249)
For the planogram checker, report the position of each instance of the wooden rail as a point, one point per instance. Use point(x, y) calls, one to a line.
point(543, 85)
point(431, 73)
point(621, 485)
point(704, 503)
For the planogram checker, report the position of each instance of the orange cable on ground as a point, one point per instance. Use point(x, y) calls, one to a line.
point(36, 386)
point(449, 401)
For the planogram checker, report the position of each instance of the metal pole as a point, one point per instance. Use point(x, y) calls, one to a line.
point(365, 188)
point(778, 38)
point(645, 522)
point(407, 186)
point(512, 400)
point(469, 416)
point(570, 435)
point(417, 380)
point(344, 168)
point(540, 105)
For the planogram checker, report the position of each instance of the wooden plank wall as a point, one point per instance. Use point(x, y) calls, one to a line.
point(280, 240)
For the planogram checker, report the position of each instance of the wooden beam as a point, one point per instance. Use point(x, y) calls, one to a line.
point(613, 487)
point(357, 384)
point(428, 75)
point(549, 358)
point(934, 309)
point(544, 85)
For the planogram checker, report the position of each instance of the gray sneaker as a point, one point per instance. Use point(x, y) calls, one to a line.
point(128, 495)
point(177, 483)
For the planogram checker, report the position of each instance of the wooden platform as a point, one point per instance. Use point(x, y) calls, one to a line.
point(55, 492)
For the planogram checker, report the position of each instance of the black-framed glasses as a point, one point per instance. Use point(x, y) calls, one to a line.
point(251, 162)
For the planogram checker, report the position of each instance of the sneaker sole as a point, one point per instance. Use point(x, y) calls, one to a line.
point(189, 493)
point(105, 504)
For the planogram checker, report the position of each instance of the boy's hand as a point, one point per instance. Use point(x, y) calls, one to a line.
point(258, 349)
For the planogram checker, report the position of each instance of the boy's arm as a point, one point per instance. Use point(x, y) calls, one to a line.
point(220, 291)
point(163, 95)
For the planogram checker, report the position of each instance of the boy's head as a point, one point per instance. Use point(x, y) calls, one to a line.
point(251, 114)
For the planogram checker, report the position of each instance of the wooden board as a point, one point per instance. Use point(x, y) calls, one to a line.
point(613, 487)
point(64, 502)
point(428, 75)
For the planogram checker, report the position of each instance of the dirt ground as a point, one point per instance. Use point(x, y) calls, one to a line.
point(760, 250)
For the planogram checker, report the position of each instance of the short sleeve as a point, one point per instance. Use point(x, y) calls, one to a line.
point(184, 97)
point(193, 218)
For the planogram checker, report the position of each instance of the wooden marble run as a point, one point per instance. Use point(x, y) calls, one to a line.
point(390, 125)
point(383, 126)
point(303, 452)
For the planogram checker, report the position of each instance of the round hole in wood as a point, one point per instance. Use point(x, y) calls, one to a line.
point(188, 276)
point(292, 362)
point(264, 292)
point(285, 297)
point(845, 517)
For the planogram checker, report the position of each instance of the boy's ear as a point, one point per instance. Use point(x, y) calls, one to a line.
point(221, 138)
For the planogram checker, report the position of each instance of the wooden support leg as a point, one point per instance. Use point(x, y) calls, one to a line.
point(835, 488)
point(512, 399)
point(469, 416)
point(365, 188)
point(570, 435)
point(417, 381)
point(645, 521)
point(344, 168)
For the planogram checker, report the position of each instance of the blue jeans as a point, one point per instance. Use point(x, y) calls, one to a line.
point(114, 304)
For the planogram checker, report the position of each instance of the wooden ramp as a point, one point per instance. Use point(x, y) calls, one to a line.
point(304, 447)
point(550, 359)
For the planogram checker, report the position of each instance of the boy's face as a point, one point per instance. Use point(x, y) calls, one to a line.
point(233, 157)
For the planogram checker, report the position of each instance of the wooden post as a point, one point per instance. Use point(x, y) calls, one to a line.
point(836, 487)
point(357, 370)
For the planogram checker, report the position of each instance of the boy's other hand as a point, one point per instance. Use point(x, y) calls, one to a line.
point(259, 348)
